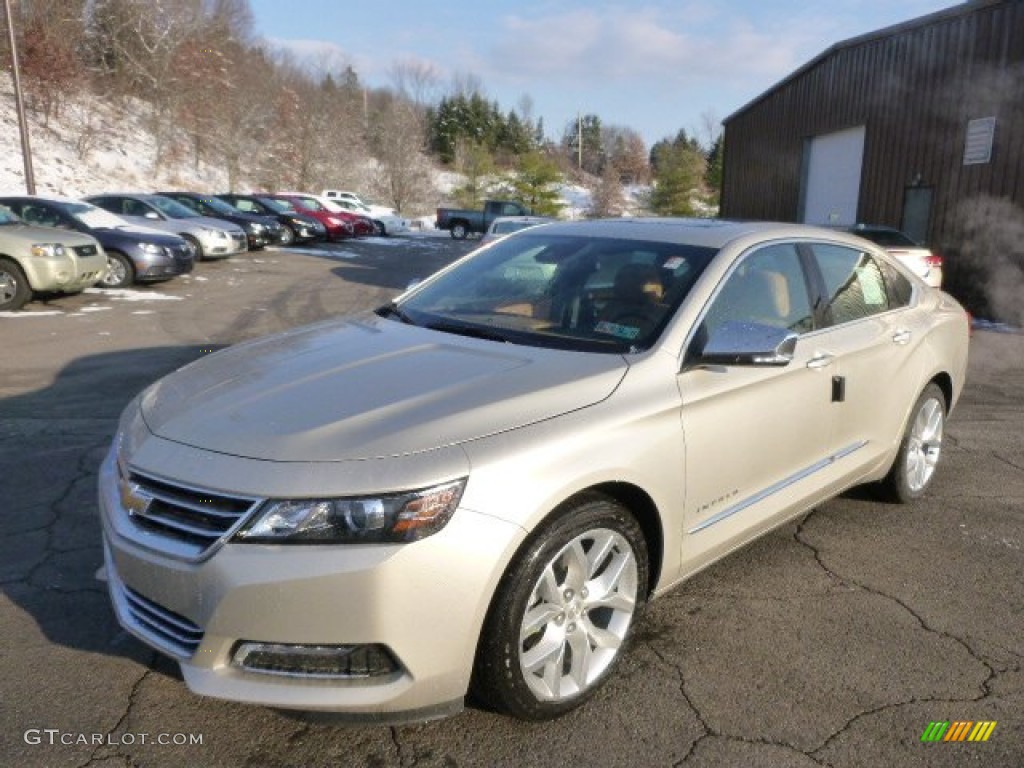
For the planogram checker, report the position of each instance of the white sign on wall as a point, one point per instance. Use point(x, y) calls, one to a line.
point(978, 144)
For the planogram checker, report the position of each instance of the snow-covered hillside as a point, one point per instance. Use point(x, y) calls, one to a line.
point(92, 147)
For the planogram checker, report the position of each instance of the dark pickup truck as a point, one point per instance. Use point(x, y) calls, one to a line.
point(460, 222)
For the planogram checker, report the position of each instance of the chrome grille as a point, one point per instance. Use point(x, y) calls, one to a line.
point(181, 521)
point(163, 628)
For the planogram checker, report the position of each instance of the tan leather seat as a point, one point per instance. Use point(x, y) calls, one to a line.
point(636, 299)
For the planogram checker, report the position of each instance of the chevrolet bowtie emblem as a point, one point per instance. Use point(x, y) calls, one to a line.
point(135, 500)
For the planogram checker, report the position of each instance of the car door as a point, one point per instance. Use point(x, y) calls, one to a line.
point(869, 330)
point(755, 436)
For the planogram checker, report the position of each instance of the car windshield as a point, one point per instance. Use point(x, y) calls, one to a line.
point(7, 216)
point(171, 208)
point(219, 206)
point(311, 203)
point(570, 292)
point(281, 206)
point(93, 217)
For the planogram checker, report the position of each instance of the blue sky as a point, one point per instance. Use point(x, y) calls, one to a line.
point(652, 65)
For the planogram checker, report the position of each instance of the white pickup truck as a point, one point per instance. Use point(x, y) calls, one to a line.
point(44, 259)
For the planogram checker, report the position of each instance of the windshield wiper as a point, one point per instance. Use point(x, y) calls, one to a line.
point(393, 310)
point(468, 330)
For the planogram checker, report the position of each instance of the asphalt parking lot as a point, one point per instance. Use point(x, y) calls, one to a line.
point(834, 641)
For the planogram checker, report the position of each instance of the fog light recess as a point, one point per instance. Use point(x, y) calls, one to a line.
point(315, 661)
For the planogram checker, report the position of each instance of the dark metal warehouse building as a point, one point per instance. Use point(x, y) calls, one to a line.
point(913, 126)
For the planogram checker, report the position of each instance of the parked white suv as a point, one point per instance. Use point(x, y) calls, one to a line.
point(43, 259)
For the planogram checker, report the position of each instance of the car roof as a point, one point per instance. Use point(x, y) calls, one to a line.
point(711, 233)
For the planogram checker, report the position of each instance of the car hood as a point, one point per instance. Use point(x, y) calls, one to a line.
point(30, 234)
point(367, 387)
point(133, 235)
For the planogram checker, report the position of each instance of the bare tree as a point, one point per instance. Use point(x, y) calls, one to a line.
point(398, 138)
point(416, 80)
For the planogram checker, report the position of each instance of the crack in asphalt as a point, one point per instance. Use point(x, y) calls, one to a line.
point(710, 732)
point(1005, 460)
point(398, 744)
point(85, 472)
point(115, 750)
point(986, 684)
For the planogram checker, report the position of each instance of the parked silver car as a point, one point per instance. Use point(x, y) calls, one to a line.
point(211, 238)
point(483, 482)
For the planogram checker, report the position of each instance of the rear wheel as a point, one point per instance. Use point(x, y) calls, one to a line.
point(14, 288)
point(120, 271)
point(379, 229)
point(914, 468)
point(459, 231)
point(564, 611)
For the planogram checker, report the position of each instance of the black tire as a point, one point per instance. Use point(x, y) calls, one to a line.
point(120, 271)
point(459, 231)
point(200, 256)
point(914, 468)
point(15, 291)
point(379, 229)
point(287, 236)
point(567, 617)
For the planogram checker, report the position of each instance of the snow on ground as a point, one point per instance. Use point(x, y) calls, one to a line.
point(129, 294)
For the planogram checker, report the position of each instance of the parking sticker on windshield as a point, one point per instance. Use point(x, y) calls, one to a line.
point(628, 332)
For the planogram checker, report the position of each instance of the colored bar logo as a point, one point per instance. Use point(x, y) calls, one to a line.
point(959, 730)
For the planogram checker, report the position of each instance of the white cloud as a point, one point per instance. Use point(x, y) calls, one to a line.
point(686, 45)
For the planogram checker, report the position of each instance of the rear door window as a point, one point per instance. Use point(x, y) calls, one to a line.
point(854, 283)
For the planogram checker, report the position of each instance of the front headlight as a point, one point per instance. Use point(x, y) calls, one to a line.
point(47, 250)
point(152, 250)
point(400, 517)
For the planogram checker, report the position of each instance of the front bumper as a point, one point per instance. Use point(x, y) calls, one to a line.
point(173, 261)
point(79, 268)
point(425, 602)
point(220, 247)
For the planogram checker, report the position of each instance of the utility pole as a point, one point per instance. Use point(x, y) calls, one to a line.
point(26, 150)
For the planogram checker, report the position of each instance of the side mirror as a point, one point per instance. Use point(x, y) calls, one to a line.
point(748, 344)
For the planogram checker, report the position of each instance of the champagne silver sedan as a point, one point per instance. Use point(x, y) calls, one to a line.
point(478, 486)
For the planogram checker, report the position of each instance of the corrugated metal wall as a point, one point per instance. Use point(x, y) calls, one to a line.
point(914, 87)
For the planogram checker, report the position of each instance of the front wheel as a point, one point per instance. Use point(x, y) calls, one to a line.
point(197, 247)
point(379, 229)
point(120, 271)
point(564, 612)
point(14, 288)
point(920, 448)
point(459, 231)
point(287, 236)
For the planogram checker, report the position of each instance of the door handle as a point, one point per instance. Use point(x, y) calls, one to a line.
point(820, 360)
point(902, 336)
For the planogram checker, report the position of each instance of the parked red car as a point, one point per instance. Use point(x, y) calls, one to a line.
point(339, 223)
